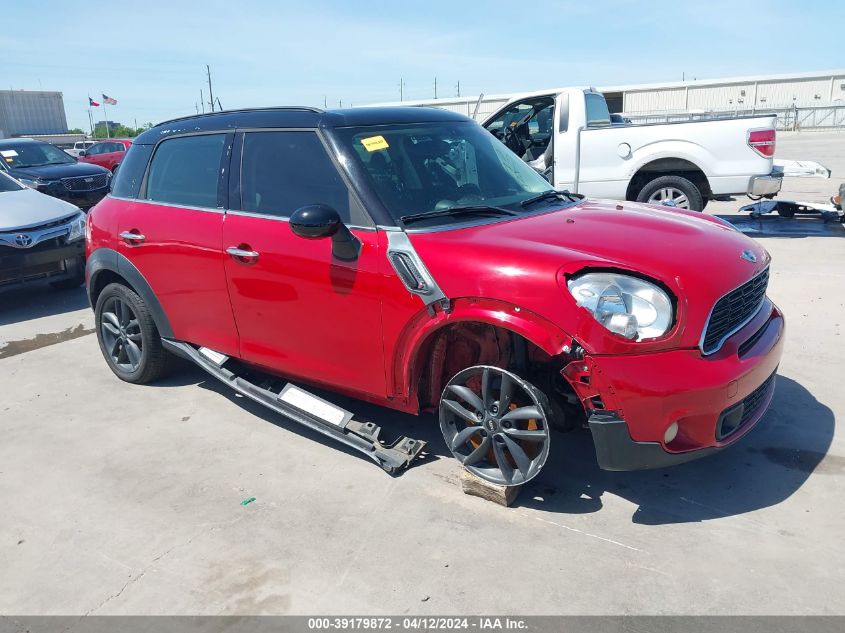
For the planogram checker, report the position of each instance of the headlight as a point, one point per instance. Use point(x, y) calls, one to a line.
point(628, 306)
point(30, 182)
point(77, 227)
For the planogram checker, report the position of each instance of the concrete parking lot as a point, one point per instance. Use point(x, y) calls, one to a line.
point(121, 499)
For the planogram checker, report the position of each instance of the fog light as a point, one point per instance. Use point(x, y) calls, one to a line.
point(671, 433)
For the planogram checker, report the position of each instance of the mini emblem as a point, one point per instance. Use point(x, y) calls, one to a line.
point(89, 180)
point(23, 240)
point(749, 256)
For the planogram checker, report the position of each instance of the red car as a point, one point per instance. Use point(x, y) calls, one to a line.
point(108, 154)
point(407, 258)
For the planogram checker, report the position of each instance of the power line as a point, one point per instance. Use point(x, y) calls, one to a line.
point(210, 93)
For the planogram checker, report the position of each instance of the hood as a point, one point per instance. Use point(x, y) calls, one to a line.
point(54, 172)
point(525, 261)
point(27, 208)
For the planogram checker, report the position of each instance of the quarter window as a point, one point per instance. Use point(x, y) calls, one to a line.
point(597, 112)
point(185, 170)
point(283, 171)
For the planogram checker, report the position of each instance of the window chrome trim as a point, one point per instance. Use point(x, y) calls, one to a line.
point(286, 219)
point(172, 205)
point(738, 327)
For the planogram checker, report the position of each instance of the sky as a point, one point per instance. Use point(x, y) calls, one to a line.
point(151, 55)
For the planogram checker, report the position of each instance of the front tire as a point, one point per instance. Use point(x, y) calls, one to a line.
point(496, 424)
point(682, 193)
point(128, 337)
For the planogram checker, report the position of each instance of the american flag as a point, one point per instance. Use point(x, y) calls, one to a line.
point(109, 101)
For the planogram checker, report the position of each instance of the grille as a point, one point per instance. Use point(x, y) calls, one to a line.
point(733, 310)
point(79, 183)
point(738, 415)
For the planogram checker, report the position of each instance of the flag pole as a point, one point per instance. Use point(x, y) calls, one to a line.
point(90, 116)
point(106, 117)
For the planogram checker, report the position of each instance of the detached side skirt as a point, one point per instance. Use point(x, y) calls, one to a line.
point(309, 410)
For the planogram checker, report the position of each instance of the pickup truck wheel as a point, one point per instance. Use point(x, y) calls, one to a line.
point(674, 191)
point(128, 337)
point(495, 424)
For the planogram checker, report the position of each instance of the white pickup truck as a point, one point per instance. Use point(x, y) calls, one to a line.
point(568, 136)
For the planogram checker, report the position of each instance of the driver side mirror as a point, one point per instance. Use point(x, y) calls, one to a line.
point(82, 153)
point(317, 221)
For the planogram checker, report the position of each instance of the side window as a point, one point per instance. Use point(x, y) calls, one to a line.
point(597, 112)
point(95, 149)
point(128, 179)
point(185, 170)
point(508, 118)
point(283, 171)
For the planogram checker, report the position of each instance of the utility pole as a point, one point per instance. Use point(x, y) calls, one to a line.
point(210, 93)
point(401, 89)
point(435, 87)
point(325, 102)
point(219, 105)
point(196, 107)
point(202, 101)
point(458, 88)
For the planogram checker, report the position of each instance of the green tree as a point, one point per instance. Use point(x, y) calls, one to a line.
point(75, 130)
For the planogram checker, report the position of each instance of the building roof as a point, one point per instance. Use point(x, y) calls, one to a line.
point(821, 74)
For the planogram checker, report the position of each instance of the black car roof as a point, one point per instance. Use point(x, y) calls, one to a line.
point(18, 141)
point(296, 117)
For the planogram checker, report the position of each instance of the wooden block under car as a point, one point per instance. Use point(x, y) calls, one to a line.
point(503, 495)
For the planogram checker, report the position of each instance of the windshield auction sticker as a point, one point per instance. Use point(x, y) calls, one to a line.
point(373, 143)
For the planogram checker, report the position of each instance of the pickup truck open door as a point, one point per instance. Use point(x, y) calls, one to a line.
point(569, 137)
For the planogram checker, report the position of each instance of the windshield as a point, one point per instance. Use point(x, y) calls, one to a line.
point(33, 155)
point(9, 184)
point(430, 167)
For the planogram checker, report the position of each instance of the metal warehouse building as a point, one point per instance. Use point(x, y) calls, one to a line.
point(807, 100)
point(24, 112)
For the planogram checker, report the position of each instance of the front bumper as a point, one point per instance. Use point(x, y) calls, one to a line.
point(765, 185)
point(715, 400)
point(47, 260)
point(82, 199)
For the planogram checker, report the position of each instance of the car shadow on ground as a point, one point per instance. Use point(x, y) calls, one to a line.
point(37, 300)
point(393, 424)
point(763, 469)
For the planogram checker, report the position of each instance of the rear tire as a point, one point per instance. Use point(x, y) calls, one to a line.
point(684, 192)
point(128, 337)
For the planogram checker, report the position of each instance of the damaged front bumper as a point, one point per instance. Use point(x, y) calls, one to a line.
point(632, 401)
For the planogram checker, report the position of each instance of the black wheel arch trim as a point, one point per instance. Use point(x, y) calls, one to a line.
point(107, 259)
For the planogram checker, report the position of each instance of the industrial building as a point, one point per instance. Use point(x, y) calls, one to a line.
point(31, 112)
point(805, 100)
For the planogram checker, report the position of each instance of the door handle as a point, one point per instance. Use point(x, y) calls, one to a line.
point(132, 236)
point(240, 253)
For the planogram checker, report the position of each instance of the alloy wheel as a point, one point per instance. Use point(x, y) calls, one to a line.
point(121, 333)
point(670, 196)
point(495, 425)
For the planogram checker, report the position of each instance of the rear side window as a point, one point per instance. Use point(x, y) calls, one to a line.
point(597, 112)
point(283, 171)
point(127, 180)
point(185, 170)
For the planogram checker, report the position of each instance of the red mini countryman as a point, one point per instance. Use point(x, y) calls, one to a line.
point(406, 257)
